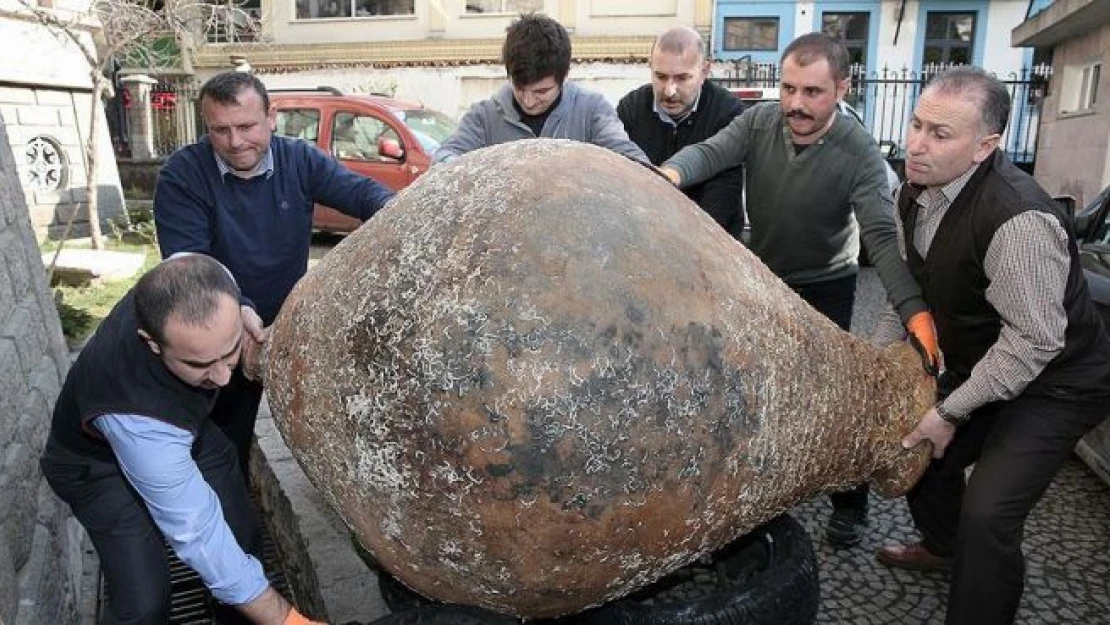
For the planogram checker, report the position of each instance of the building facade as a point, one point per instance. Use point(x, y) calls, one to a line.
point(46, 103)
point(446, 53)
point(1075, 124)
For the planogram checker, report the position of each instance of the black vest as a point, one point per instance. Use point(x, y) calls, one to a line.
point(117, 373)
point(660, 140)
point(954, 282)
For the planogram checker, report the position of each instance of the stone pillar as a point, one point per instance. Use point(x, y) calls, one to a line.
point(140, 120)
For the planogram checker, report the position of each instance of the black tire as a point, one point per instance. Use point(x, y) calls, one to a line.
point(445, 615)
point(399, 597)
point(769, 578)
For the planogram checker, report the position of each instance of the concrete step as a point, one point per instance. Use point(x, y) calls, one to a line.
point(78, 267)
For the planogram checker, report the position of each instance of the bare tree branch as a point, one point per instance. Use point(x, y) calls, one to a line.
point(139, 33)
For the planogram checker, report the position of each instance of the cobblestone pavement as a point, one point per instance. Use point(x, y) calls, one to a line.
point(1067, 549)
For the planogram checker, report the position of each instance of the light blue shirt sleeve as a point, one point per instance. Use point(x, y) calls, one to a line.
point(156, 460)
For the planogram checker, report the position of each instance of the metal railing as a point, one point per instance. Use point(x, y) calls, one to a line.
point(175, 119)
point(885, 98)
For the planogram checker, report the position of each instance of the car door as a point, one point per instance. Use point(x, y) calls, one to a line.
point(1094, 251)
point(305, 122)
point(355, 140)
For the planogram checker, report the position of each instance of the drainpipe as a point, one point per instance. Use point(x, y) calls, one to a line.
point(898, 26)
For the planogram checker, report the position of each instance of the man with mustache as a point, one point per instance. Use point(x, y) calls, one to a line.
point(537, 101)
point(680, 107)
point(816, 185)
point(245, 196)
point(132, 451)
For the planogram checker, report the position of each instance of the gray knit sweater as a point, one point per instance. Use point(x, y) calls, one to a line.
point(580, 115)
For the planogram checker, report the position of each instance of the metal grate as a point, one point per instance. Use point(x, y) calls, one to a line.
point(190, 601)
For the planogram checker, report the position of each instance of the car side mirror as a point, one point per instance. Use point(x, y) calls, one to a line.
point(390, 148)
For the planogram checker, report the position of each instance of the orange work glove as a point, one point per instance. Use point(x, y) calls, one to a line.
point(923, 337)
point(296, 618)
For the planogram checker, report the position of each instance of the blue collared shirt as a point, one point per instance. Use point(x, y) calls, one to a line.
point(155, 458)
point(666, 117)
point(265, 166)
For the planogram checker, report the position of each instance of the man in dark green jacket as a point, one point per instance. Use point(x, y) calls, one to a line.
point(679, 107)
point(816, 185)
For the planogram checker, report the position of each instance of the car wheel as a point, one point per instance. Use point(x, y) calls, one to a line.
point(767, 577)
point(397, 596)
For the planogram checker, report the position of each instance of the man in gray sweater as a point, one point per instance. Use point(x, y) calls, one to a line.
point(816, 183)
point(537, 102)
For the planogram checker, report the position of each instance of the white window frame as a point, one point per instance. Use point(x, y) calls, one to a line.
point(503, 10)
point(1079, 93)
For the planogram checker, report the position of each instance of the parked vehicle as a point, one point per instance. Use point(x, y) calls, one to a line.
point(377, 136)
point(1092, 233)
point(1092, 229)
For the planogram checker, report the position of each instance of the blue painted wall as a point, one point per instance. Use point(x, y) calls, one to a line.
point(782, 9)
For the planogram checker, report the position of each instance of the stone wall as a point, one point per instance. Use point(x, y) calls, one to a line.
point(41, 546)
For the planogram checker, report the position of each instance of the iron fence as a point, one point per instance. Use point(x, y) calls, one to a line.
point(174, 117)
point(885, 99)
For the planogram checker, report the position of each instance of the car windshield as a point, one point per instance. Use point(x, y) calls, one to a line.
point(430, 127)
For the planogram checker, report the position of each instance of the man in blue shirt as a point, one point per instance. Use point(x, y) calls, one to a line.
point(245, 196)
point(132, 452)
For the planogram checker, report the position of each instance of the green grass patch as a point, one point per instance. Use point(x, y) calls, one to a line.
point(82, 308)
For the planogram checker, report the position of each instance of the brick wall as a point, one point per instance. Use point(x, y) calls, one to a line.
point(41, 546)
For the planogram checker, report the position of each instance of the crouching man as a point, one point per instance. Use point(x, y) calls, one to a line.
point(132, 451)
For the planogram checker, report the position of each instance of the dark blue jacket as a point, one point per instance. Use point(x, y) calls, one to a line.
point(260, 228)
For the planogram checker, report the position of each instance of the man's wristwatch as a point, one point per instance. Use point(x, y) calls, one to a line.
point(954, 419)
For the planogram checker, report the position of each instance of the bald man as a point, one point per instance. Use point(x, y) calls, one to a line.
point(679, 107)
point(133, 451)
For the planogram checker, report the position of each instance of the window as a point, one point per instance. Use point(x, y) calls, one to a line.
point(1088, 86)
point(367, 8)
point(752, 33)
point(1079, 90)
point(46, 164)
point(504, 6)
point(430, 127)
point(949, 38)
point(355, 137)
point(299, 123)
point(852, 29)
point(317, 9)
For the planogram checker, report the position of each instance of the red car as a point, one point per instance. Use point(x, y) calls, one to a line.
point(389, 140)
